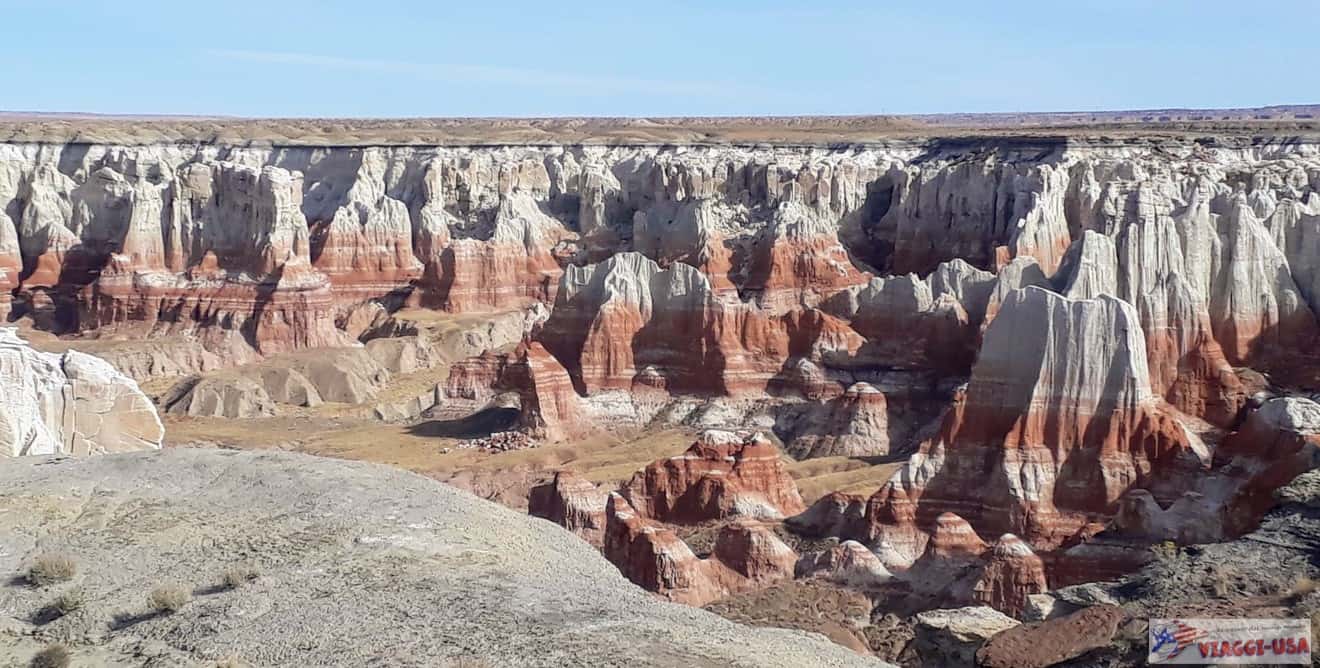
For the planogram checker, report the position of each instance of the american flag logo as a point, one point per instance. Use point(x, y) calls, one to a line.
point(1176, 636)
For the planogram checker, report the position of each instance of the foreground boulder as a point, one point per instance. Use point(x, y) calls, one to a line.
point(70, 403)
point(422, 573)
point(952, 637)
point(1052, 642)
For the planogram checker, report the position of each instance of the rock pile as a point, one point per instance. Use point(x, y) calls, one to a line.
point(500, 441)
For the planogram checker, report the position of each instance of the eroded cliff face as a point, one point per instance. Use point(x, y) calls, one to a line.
point(1048, 336)
point(1214, 246)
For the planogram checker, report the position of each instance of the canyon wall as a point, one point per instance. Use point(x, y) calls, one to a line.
point(860, 284)
point(734, 249)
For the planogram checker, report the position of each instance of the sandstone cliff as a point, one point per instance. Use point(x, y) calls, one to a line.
point(71, 403)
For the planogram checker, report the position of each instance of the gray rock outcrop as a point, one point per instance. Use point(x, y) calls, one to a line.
point(421, 573)
point(70, 403)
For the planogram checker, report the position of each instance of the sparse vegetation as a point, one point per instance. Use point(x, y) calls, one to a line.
point(231, 662)
point(1223, 580)
point(54, 656)
point(1302, 587)
point(238, 575)
point(169, 599)
point(49, 569)
point(1165, 551)
point(72, 600)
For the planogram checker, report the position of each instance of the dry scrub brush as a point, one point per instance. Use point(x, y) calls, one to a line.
point(239, 575)
point(168, 599)
point(48, 569)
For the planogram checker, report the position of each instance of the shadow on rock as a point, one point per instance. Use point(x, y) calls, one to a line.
point(481, 424)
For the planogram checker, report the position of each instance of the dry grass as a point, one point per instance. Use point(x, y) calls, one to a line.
point(239, 575)
point(54, 656)
point(1223, 580)
point(1302, 587)
point(168, 599)
point(68, 602)
point(817, 477)
point(1166, 551)
point(231, 662)
point(49, 569)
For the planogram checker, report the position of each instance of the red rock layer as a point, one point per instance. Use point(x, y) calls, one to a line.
point(519, 263)
point(573, 503)
point(722, 474)
point(800, 261)
point(1187, 366)
point(551, 409)
point(747, 555)
point(1010, 574)
point(472, 379)
point(11, 264)
point(1039, 450)
point(954, 538)
point(364, 262)
point(626, 318)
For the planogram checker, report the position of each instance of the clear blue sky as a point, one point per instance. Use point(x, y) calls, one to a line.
point(599, 58)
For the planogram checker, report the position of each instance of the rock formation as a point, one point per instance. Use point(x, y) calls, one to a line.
point(1010, 574)
point(1052, 642)
point(11, 264)
point(573, 503)
point(855, 424)
point(69, 403)
point(723, 474)
point(1049, 327)
point(1276, 442)
point(1044, 439)
point(849, 563)
point(340, 375)
point(952, 637)
point(746, 555)
point(550, 407)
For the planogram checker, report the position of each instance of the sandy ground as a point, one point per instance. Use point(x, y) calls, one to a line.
point(603, 458)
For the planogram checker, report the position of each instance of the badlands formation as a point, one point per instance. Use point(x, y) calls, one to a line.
point(915, 384)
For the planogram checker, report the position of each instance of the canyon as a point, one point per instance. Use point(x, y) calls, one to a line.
point(936, 370)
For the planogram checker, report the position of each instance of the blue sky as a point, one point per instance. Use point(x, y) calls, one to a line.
point(601, 58)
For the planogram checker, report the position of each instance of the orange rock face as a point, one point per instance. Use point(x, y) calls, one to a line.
point(723, 474)
point(551, 409)
point(747, 555)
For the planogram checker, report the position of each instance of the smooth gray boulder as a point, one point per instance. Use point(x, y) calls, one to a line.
point(357, 564)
